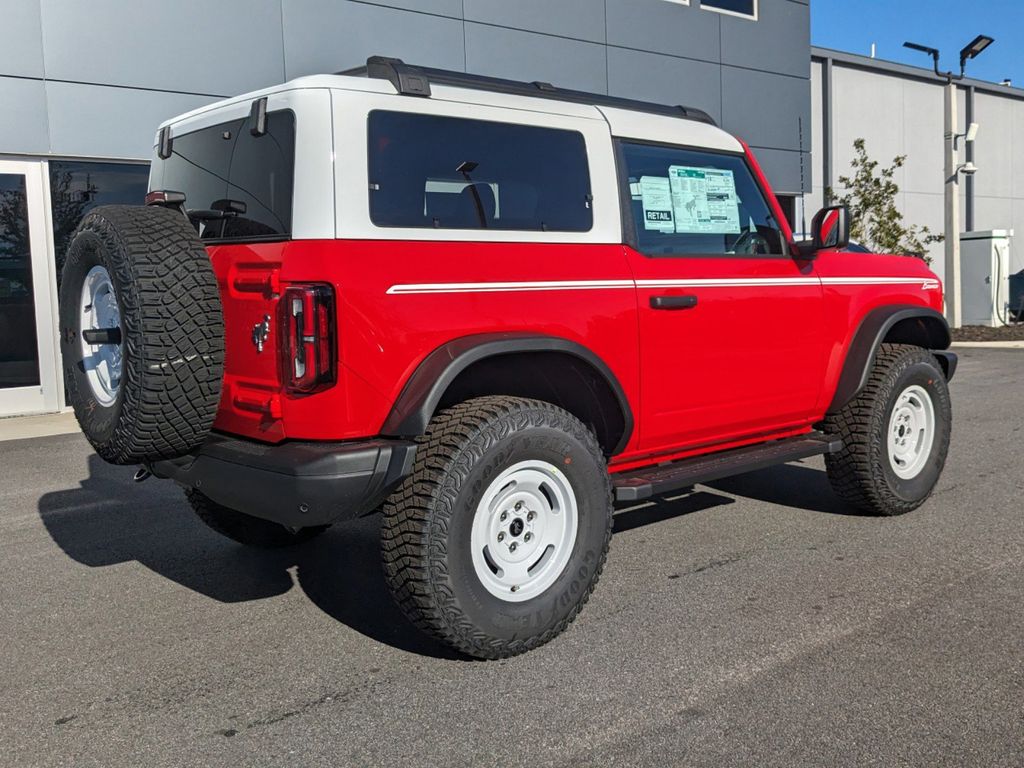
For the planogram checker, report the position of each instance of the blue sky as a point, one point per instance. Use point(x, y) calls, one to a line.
point(852, 25)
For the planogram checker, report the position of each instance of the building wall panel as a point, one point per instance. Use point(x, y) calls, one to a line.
point(193, 46)
point(519, 55)
point(21, 50)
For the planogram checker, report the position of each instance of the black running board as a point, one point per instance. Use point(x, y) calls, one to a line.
point(644, 483)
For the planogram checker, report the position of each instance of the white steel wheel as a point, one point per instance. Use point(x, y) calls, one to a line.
point(911, 432)
point(524, 530)
point(103, 363)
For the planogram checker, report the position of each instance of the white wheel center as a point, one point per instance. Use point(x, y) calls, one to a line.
point(524, 530)
point(99, 311)
point(911, 432)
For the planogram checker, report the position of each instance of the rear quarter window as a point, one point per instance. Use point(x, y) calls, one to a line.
point(237, 186)
point(429, 171)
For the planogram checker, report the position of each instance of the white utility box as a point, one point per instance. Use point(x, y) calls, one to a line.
point(985, 277)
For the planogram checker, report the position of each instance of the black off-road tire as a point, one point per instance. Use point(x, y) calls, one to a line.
point(427, 525)
point(861, 474)
point(172, 333)
point(246, 529)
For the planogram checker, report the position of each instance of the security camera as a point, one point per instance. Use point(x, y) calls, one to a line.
point(968, 169)
point(972, 133)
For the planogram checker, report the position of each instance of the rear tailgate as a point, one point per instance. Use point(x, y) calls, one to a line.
point(253, 189)
point(250, 286)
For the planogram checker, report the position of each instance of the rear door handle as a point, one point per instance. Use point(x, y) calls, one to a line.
point(673, 302)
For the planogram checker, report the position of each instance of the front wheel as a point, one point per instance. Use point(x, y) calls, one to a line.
point(895, 434)
point(496, 540)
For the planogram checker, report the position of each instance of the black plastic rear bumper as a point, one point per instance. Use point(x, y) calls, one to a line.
point(295, 484)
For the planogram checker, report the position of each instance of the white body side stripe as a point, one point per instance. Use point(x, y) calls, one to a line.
point(924, 283)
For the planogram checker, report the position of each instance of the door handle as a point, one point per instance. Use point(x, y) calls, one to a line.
point(674, 302)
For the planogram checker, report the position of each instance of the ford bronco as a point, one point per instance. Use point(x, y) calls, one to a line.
point(491, 310)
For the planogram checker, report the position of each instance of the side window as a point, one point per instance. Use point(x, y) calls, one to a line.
point(694, 202)
point(428, 171)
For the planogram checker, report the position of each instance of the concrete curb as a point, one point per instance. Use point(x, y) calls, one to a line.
point(990, 344)
point(23, 427)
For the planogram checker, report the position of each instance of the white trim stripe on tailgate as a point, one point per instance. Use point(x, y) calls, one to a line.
point(925, 284)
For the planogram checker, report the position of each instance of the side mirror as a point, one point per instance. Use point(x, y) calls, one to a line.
point(831, 228)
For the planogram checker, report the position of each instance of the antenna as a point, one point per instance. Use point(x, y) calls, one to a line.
point(803, 200)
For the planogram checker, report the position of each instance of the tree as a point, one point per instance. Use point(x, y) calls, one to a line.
point(871, 197)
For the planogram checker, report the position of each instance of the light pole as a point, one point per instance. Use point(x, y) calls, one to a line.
point(953, 169)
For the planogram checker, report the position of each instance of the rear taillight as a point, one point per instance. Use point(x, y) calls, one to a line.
point(308, 347)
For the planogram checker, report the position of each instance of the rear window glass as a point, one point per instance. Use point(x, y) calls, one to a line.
point(236, 185)
point(437, 172)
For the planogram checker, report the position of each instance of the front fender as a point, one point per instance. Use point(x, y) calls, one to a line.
point(921, 326)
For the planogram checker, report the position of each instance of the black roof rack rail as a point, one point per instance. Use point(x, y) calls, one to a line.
point(416, 81)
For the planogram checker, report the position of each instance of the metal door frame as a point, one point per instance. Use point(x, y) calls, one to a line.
point(48, 395)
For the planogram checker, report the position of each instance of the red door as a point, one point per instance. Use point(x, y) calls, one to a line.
point(732, 340)
point(729, 347)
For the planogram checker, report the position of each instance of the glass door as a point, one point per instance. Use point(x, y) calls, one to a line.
point(28, 356)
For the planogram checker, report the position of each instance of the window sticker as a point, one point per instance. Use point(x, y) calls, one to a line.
point(656, 194)
point(704, 200)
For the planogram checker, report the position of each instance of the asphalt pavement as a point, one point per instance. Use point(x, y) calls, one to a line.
point(754, 622)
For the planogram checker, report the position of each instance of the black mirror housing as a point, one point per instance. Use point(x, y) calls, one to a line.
point(830, 228)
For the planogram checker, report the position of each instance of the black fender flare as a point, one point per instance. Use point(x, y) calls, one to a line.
point(931, 332)
point(424, 389)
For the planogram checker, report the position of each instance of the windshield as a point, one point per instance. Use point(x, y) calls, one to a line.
point(237, 186)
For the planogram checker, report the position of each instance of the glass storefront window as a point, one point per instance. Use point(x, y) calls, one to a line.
point(76, 187)
point(19, 357)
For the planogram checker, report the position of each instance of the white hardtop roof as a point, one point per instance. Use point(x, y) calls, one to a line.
point(624, 123)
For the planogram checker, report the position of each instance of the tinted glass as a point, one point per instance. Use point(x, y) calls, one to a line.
point(451, 173)
point(746, 7)
point(236, 185)
point(19, 354)
point(77, 187)
point(692, 202)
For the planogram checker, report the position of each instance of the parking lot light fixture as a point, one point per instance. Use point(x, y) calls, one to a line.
point(953, 169)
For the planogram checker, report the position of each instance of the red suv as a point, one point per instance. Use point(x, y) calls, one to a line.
point(492, 309)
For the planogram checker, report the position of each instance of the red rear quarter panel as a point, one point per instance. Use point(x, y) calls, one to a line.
point(384, 335)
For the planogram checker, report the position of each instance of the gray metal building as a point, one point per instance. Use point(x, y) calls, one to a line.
point(84, 84)
point(898, 110)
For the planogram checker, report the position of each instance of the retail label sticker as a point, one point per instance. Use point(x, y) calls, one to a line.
point(656, 196)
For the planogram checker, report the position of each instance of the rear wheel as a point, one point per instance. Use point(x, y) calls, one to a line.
point(895, 434)
point(496, 540)
point(246, 529)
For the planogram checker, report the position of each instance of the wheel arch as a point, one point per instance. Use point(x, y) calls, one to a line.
point(548, 368)
point(920, 326)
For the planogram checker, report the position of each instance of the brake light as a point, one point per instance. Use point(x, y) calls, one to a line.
point(308, 349)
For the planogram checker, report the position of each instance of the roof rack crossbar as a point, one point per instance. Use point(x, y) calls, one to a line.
point(416, 81)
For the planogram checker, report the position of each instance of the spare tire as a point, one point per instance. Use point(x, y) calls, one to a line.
point(142, 333)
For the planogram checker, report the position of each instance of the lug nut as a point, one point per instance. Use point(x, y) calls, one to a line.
point(530, 515)
point(519, 505)
point(513, 547)
point(504, 516)
point(501, 536)
point(527, 537)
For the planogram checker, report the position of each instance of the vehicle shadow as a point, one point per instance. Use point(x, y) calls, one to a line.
point(109, 519)
point(790, 485)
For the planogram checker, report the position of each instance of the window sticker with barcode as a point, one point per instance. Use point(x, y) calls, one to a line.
point(704, 201)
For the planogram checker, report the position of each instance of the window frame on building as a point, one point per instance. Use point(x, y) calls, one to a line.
point(752, 16)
